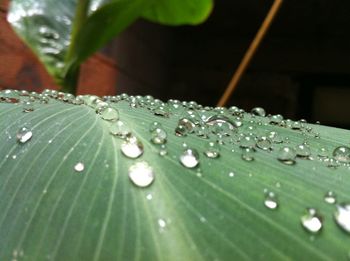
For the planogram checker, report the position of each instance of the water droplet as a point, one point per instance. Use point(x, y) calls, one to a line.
point(188, 126)
point(330, 197)
point(154, 125)
point(303, 151)
point(161, 223)
point(220, 125)
point(159, 136)
point(212, 150)
point(141, 174)
point(231, 174)
point(24, 135)
point(270, 200)
point(342, 216)
point(247, 141)
point(79, 167)
point(287, 155)
point(109, 114)
point(264, 143)
point(248, 154)
point(149, 196)
point(258, 111)
point(275, 137)
point(119, 129)
point(132, 147)
point(189, 158)
point(180, 131)
point(276, 119)
point(28, 107)
point(322, 152)
point(312, 221)
point(342, 154)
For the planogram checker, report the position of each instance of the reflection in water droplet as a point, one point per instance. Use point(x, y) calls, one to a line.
point(141, 174)
point(159, 136)
point(132, 147)
point(270, 200)
point(342, 216)
point(287, 155)
point(189, 158)
point(109, 114)
point(312, 221)
point(342, 154)
point(212, 150)
point(330, 197)
point(24, 135)
point(79, 167)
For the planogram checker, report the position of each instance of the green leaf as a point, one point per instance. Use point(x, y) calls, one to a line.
point(46, 26)
point(174, 12)
point(49, 210)
point(64, 33)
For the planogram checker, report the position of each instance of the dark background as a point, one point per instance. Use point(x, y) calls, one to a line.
point(301, 70)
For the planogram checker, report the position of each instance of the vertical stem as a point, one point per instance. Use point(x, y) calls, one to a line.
point(250, 52)
point(71, 78)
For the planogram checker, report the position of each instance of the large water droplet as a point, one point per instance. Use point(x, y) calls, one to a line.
point(330, 197)
point(132, 147)
point(79, 167)
point(212, 149)
point(287, 155)
point(312, 221)
point(159, 136)
point(342, 216)
point(270, 200)
point(24, 134)
point(109, 114)
point(189, 158)
point(186, 126)
point(141, 174)
point(342, 154)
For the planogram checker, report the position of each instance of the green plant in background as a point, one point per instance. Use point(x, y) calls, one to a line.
point(135, 178)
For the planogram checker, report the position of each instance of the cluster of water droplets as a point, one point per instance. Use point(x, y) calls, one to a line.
point(220, 129)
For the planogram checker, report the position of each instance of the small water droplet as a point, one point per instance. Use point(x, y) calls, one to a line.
point(287, 155)
point(342, 154)
point(79, 167)
point(24, 134)
point(231, 174)
point(141, 174)
point(330, 197)
point(132, 147)
point(159, 136)
point(270, 200)
point(212, 150)
point(28, 107)
point(120, 129)
point(342, 216)
point(109, 114)
point(248, 154)
point(275, 137)
point(163, 150)
point(312, 221)
point(154, 125)
point(322, 152)
point(303, 151)
point(258, 111)
point(264, 143)
point(149, 196)
point(276, 119)
point(189, 158)
point(161, 223)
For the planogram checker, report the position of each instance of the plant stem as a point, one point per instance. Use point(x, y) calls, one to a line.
point(71, 77)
